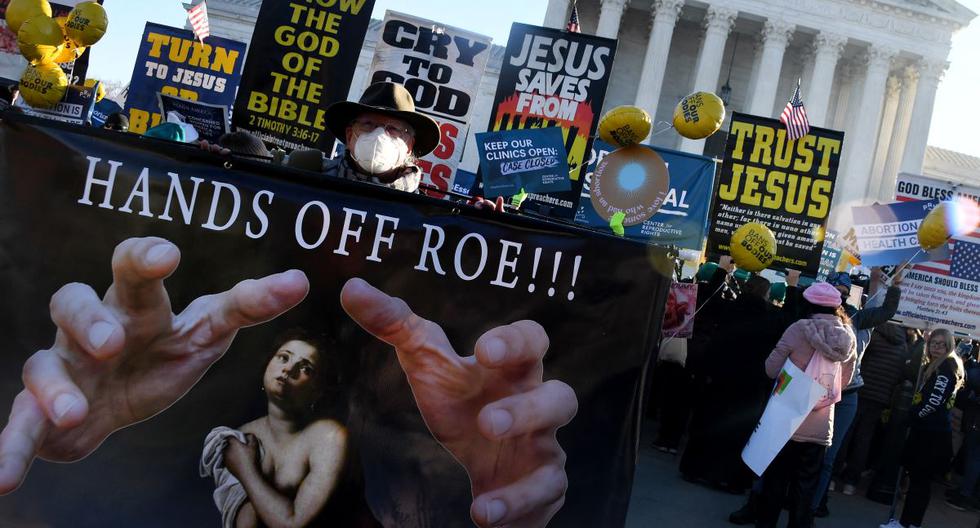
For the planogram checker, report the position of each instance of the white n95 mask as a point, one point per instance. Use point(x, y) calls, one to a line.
point(378, 152)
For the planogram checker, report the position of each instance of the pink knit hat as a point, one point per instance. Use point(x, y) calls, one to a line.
point(823, 294)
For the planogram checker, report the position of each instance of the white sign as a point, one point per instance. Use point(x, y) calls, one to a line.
point(793, 397)
point(441, 66)
point(940, 294)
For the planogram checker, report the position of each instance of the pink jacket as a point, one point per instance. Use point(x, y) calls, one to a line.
point(826, 334)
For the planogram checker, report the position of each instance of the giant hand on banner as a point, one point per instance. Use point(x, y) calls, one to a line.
point(125, 358)
point(514, 462)
point(122, 359)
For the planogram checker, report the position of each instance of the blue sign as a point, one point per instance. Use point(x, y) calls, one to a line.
point(173, 62)
point(533, 159)
point(465, 182)
point(104, 109)
point(682, 219)
point(888, 234)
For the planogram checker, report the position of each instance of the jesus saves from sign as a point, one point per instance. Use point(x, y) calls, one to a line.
point(771, 172)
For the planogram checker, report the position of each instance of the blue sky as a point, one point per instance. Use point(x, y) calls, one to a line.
point(954, 120)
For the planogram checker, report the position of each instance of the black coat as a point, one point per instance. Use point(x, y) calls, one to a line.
point(884, 363)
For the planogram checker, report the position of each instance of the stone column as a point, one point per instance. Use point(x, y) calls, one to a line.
point(930, 73)
point(665, 13)
point(827, 50)
point(556, 16)
point(859, 139)
point(717, 24)
point(610, 15)
point(900, 132)
point(888, 114)
point(775, 35)
point(754, 76)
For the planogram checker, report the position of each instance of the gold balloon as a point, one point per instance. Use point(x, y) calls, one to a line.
point(699, 115)
point(933, 231)
point(19, 11)
point(625, 125)
point(100, 94)
point(86, 24)
point(40, 38)
point(43, 84)
point(70, 51)
point(753, 247)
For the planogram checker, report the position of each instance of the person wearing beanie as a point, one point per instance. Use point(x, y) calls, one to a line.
point(117, 122)
point(825, 330)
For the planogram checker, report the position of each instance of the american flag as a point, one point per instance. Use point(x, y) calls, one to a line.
point(966, 261)
point(943, 267)
point(198, 16)
point(573, 26)
point(794, 117)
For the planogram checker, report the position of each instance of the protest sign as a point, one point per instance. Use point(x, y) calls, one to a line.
point(103, 109)
point(234, 219)
point(12, 63)
point(553, 78)
point(301, 60)
point(944, 293)
point(887, 234)
point(172, 61)
point(441, 66)
point(830, 255)
point(683, 216)
point(682, 302)
point(210, 121)
point(76, 108)
point(464, 183)
point(793, 397)
point(529, 159)
point(786, 185)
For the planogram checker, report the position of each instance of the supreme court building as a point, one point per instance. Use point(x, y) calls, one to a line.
point(868, 67)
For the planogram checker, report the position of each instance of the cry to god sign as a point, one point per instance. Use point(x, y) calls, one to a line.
point(172, 62)
point(785, 184)
point(441, 66)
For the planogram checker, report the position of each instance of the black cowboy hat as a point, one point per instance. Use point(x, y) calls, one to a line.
point(390, 99)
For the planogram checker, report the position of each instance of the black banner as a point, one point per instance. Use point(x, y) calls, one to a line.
point(301, 59)
point(553, 78)
point(598, 298)
point(210, 121)
point(786, 185)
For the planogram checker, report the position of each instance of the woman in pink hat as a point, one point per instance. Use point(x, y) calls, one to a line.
point(795, 472)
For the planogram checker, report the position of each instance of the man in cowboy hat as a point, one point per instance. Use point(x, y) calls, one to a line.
point(384, 135)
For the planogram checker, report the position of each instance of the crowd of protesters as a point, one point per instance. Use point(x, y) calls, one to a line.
point(895, 409)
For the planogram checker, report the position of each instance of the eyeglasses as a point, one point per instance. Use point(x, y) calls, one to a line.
point(938, 344)
point(405, 134)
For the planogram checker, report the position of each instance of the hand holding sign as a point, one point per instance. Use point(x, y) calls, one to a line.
point(491, 410)
point(126, 357)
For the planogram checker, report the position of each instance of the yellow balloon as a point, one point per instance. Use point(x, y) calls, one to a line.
point(699, 115)
point(86, 24)
point(70, 51)
point(40, 38)
point(100, 94)
point(19, 11)
point(933, 231)
point(625, 125)
point(43, 84)
point(753, 247)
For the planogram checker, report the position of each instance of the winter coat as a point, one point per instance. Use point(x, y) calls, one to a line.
point(864, 320)
point(824, 334)
point(883, 364)
point(932, 403)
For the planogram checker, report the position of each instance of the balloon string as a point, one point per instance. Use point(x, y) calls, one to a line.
point(668, 127)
